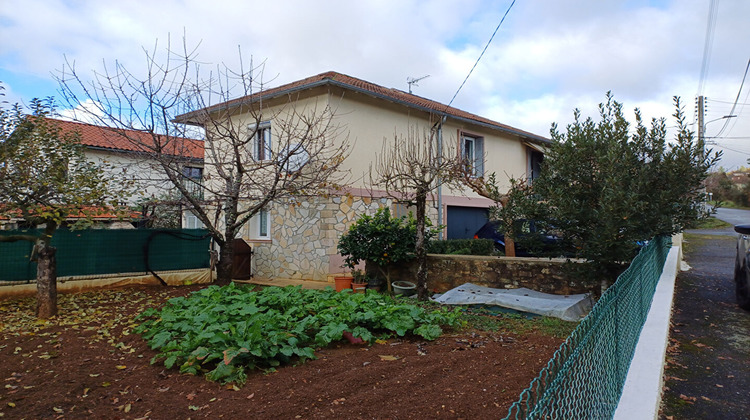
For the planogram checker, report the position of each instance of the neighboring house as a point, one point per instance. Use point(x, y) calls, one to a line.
point(300, 241)
point(108, 145)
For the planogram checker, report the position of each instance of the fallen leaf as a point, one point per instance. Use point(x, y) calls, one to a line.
point(121, 367)
point(190, 396)
point(389, 358)
point(719, 386)
point(11, 405)
point(705, 398)
point(58, 410)
point(194, 407)
point(127, 408)
point(379, 341)
point(251, 396)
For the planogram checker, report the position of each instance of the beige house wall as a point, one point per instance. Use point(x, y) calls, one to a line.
point(304, 234)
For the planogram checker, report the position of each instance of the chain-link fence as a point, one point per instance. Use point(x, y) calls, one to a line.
point(108, 251)
point(584, 378)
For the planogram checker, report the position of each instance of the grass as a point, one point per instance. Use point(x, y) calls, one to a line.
point(711, 223)
point(485, 320)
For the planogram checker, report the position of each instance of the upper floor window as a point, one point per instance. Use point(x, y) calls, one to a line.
point(472, 151)
point(193, 180)
point(262, 141)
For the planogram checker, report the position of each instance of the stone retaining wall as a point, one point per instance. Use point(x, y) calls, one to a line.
point(449, 271)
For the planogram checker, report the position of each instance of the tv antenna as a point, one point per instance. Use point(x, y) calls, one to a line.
point(413, 81)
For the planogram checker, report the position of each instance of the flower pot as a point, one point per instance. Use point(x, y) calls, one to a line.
point(359, 287)
point(343, 282)
point(404, 288)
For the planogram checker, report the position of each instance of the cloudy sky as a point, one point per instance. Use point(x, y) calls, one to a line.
point(548, 57)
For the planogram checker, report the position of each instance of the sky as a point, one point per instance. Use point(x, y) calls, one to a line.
point(546, 59)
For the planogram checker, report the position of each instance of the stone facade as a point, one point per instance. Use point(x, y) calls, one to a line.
point(304, 236)
point(449, 271)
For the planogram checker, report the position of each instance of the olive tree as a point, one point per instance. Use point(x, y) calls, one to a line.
point(607, 187)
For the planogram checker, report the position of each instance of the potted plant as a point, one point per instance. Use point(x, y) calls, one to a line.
point(359, 281)
point(380, 239)
point(343, 282)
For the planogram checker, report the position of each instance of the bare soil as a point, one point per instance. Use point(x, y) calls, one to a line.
point(86, 363)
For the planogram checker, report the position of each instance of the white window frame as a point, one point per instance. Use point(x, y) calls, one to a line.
point(262, 148)
point(255, 226)
point(263, 220)
point(473, 154)
point(192, 221)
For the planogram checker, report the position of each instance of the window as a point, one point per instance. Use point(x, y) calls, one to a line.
point(262, 142)
point(193, 181)
point(472, 151)
point(258, 226)
point(192, 221)
point(263, 224)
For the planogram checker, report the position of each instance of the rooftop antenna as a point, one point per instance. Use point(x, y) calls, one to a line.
point(413, 81)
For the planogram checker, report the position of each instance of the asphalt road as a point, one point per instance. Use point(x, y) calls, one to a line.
point(707, 375)
point(733, 216)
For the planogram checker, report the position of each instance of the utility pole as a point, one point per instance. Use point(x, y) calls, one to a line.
point(701, 124)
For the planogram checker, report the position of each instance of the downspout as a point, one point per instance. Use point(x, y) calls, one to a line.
point(440, 185)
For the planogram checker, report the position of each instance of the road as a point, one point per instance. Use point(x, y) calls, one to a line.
point(708, 362)
point(733, 216)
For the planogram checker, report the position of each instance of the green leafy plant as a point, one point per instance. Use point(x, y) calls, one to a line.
point(381, 239)
point(225, 331)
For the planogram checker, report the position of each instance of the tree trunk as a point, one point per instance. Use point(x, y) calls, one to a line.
point(46, 280)
point(510, 246)
point(421, 251)
point(226, 264)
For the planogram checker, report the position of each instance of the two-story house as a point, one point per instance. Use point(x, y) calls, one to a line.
point(299, 241)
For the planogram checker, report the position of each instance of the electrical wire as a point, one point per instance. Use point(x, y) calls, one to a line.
point(480, 55)
point(710, 26)
point(736, 101)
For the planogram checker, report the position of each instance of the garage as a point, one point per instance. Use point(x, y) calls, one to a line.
point(463, 222)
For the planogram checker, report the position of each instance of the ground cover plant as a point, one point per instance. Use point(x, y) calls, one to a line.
point(224, 331)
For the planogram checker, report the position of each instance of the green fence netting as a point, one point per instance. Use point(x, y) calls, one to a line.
point(109, 251)
point(585, 377)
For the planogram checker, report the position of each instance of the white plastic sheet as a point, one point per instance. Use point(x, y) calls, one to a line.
point(568, 307)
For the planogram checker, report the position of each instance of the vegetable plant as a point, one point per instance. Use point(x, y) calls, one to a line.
point(224, 331)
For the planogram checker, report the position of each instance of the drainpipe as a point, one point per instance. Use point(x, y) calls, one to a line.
point(440, 186)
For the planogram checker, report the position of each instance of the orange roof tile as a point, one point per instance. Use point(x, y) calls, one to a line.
point(352, 83)
point(112, 138)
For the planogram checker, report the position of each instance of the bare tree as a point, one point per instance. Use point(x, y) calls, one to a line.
point(244, 172)
point(409, 170)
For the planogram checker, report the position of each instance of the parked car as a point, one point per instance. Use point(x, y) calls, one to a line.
point(540, 243)
point(742, 267)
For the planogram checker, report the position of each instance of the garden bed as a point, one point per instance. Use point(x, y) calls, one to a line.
point(87, 362)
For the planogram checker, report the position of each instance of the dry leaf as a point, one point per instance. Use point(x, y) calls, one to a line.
point(190, 396)
point(127, 408)
point(121, 367)
point(389, 358)
point(251, 396)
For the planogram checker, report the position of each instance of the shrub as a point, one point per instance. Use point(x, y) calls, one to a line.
point(462, 247)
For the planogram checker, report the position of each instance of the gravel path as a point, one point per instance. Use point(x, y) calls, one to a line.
point(708, 363)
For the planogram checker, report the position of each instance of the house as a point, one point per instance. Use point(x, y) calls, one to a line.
point(298, 240)
point(111, 146)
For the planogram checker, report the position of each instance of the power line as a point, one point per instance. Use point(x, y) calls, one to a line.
point(736, 100)
point(710, 25)
point(480, 55)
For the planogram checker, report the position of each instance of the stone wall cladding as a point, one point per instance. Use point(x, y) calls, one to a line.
point(449, 271)
point(304, 235)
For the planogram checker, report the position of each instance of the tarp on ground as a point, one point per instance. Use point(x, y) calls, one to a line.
point(565, 307)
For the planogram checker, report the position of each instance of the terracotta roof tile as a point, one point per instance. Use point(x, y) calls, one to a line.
point(111, 138)
point(349, 82)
